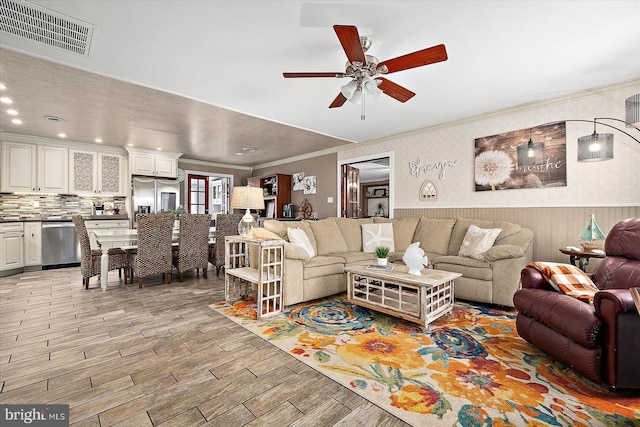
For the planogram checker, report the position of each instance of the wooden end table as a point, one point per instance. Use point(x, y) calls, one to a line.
point(259, 263)
point(582, 257)
point(419, 299)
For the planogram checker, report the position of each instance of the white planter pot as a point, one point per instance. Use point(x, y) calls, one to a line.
point(382, 261)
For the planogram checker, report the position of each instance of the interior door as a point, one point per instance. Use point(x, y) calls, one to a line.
point(198, 196)
point(350, 192)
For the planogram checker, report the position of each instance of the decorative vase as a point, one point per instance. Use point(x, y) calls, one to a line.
point(415, 259)
point(176, 224)
point(382, 261)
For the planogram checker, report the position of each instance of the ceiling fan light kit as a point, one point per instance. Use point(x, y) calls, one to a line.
point(365, 70)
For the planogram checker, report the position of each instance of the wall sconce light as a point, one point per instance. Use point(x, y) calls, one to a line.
point(531, 153)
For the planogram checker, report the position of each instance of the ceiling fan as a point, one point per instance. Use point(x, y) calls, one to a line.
point(365, 70)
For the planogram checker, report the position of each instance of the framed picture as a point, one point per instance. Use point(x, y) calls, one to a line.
point(379, 192)
point(298, 181)
point(498, 166)
point(310, 185)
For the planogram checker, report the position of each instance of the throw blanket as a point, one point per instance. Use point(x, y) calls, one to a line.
point(568, 279)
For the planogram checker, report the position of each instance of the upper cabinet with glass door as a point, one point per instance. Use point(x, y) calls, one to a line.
point(96, 173)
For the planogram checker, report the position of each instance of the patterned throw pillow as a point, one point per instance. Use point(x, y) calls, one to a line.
point(377, 234)
point(567, 279)
point(477, 241)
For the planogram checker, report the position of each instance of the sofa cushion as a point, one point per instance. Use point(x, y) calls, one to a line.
point(403, 231)
point(477, 241)
point(462, 225)
point(377, 234)
point(352, 232)
point(299, 238)
point(322, 265)
point(434, 234)
point(328, 236)
point(468, 267)
point(355, 257)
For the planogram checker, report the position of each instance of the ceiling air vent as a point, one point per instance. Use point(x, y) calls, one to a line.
point(34, 22)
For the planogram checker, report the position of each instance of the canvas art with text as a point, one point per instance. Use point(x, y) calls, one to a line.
point(507, 161)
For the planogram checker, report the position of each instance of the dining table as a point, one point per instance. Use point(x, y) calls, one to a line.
point(126, 239)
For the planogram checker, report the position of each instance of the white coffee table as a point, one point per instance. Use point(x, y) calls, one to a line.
point(419, 299)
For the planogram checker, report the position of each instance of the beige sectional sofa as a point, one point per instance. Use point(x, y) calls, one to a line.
point(338, 243)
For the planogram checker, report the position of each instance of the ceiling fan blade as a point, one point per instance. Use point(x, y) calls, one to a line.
point(295, 75)
point(394, 90)
point(339, 101)
point(350, 41)
point(416, 59)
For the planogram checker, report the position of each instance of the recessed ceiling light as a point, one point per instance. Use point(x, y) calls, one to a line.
point(54, 119)
point(98, 140)
point(239, 154)
point(159, 149)
point(6, 100)
point(16, 121)
point(62, 135)
point(129, 145)
point(249, 149)
point(12, 112)
point(2, 86)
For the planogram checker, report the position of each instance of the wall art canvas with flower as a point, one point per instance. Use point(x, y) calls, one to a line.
point(498, 166)
point(298, 181)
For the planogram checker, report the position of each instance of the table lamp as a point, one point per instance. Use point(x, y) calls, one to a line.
point(247, 198)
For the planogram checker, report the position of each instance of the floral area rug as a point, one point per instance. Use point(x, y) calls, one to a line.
point(470, 369)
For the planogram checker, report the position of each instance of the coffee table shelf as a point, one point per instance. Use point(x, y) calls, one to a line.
point(418, 299)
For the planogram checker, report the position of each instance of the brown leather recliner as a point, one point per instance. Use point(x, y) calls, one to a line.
point(600, 341)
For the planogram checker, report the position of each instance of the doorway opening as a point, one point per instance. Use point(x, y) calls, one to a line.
point(208, 192)
point(365, 186)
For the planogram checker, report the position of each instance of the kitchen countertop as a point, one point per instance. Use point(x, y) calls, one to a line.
point(66, 218)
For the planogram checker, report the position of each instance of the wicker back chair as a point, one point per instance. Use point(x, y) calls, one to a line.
point(90, 261)
point(193, 244)
point(226, 225)
point(155, 232)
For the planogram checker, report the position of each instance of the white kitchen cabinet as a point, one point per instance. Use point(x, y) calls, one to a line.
point(106, 224)
point(32, 243)
point(11, 246)
point(153, 163)
point(34, 168)
point(96, 173)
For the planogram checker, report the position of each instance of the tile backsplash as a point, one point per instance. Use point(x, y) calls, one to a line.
point(14, 206)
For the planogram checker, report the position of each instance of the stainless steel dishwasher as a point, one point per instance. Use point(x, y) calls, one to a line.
point(60, 245)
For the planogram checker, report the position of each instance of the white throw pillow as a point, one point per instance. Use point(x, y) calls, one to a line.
point(377, 234)
point(297, 236)
point(477, 241)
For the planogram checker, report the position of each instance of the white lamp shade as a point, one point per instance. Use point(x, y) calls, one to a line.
point(370, 88)
point(247, 198)
point(349, 89)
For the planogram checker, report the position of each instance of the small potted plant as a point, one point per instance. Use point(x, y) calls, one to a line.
point(177, 212)
point(382, 252)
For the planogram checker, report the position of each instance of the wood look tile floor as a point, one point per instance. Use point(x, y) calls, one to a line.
point(157, 356)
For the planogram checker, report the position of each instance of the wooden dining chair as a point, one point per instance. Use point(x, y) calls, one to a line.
point(90, 260)
point(226, 225)
point(193, 244)
point(153, 255)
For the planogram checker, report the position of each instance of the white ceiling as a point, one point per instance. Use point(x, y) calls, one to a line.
point(205, 77)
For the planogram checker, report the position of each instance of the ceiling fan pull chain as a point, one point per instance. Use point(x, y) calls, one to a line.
point(362, 107)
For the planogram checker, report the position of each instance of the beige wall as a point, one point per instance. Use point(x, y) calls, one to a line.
point(610, 183)
point(324, 169)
